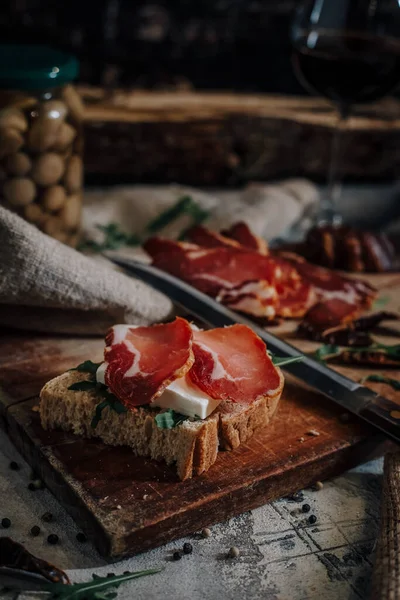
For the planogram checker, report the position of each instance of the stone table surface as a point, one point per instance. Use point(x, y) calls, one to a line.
point(282, 556)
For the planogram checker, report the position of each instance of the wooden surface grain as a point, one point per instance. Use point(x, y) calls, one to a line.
point(201, 138)
point(127, 504)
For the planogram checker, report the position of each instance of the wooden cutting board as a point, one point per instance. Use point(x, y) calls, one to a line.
point(126, 504)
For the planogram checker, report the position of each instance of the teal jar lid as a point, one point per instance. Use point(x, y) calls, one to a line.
point(25, 67)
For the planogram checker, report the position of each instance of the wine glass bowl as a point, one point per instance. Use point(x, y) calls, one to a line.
point(349, 52)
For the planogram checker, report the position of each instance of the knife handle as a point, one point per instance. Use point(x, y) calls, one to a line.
point(386, 574)
point(385, 415)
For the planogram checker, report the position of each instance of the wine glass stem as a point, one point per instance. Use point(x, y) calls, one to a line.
point(328, 214)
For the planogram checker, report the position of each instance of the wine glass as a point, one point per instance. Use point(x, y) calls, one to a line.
point(349, 52)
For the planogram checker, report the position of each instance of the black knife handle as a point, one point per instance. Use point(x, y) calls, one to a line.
point(384, 414)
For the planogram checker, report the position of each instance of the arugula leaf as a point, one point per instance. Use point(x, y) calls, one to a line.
point(326, 351)
point(280, 361)
point(83, 386)
point(380, 302)
point(115, 238)
point(382, 379)
point(184, 205)
point(97, 589)
point(109, 400)
point(169, 419)
point(87, 367)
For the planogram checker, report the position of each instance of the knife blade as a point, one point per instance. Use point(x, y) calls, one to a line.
point(353, 397)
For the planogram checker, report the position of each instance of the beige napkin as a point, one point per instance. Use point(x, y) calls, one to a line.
point(47, 286)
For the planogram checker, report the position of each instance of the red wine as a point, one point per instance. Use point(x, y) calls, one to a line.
point(347, 68)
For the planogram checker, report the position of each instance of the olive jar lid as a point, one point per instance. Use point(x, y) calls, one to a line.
point(31, 67)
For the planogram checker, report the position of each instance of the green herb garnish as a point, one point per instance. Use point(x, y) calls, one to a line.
point(115, 238)
point(280, 361)
point(113, 404)
point(169, 419)
point(83, 386)
point(325, 352)
point(380, 302)
point(382, 379)
point(87, 367)
point(97, 589)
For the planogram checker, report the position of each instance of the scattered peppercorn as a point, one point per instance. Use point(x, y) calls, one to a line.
point(53, 538)
point(306, 508)
point(6, 523)
point(36, 484)
point(47, 517)
point(233, 552)
point(81, 537)
point(14, 466)
point(318, 485)
point(35, 530)
point(110, 574)
point(296, 497)
point(312, 519)
point(187, 548)
point(206, 533)
point(177, 555)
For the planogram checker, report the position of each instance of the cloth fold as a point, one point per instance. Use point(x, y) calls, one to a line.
point(47, 286)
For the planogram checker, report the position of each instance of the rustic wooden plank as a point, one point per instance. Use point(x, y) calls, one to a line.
point(224, 138)
point(28, 361)
point(127, 505)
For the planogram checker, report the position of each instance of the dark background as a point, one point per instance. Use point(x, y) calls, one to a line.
point(206, 44)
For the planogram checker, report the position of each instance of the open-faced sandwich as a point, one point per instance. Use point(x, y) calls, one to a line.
point(171, 392)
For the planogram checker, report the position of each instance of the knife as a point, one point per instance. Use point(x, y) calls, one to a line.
point(353, 397)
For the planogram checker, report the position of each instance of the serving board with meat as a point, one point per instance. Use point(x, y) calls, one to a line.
point(128, 503)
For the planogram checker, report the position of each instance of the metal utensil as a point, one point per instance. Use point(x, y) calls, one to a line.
point(353, 397)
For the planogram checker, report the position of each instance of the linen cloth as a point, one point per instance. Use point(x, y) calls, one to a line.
point(47, 286)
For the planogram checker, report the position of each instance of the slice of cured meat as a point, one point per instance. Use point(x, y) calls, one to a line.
point(329, 284)
point(242, 233)
point(210, 239)
point(231, 363)
point(295, 296)
point(143, 361)
point(242, 279)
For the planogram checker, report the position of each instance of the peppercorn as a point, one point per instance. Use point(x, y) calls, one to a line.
point(187, 548)
point(206, 532)
point(233, 552)
point(296, 497)
point(36, 484)
point(53, 538)
point(14, 466)
point(81, 537)
point(312, 519)
point(6, 523)
point(35, 530)
point(47, 517)
point(177, 555)
point(306, 508)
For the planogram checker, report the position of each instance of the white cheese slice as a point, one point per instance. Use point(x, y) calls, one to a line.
point(182, 396)
point(186, 399)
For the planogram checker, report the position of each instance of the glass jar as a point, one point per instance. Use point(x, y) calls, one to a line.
point(41, 144)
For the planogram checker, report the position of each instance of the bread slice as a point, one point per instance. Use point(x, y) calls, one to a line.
point(192, 445)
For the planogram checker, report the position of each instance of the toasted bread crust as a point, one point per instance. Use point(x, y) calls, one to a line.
point(193, 445)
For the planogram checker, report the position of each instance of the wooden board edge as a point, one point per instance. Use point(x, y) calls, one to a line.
point(229, 503)
point(253, 496)
point(67, 491)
